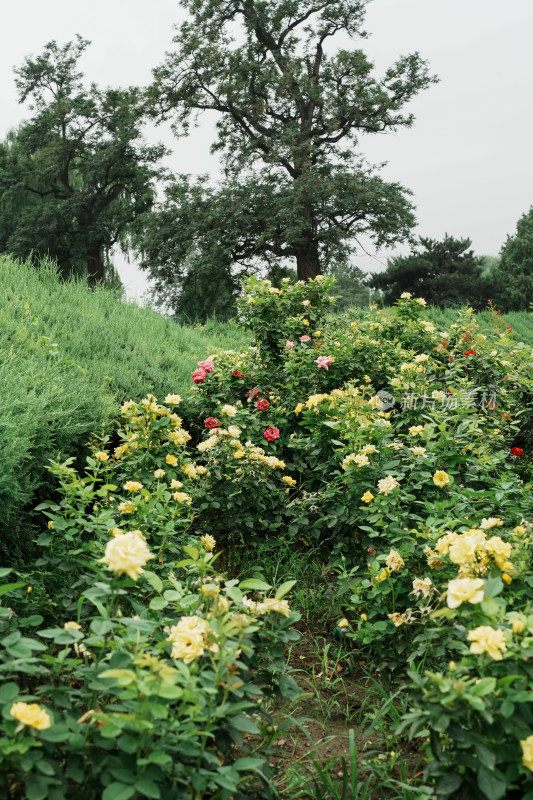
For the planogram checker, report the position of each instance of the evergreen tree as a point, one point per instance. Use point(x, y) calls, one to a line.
point(444, 273)
point(514, 274)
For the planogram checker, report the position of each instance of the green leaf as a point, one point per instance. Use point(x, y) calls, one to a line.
point(449, 784)
point(101, 626)
point(243, 723)
point(118, 791)
point(485, 686)
point(10, 587)
point(243, 764)
point(288, 687)
point(147, 788)
point(8, 692)
point(284, 589)
point(122, 676)
point(154, 580)
point(36, 788)
point(158, 603)
point(193, 552)
point(492, 784)
point(254, 585)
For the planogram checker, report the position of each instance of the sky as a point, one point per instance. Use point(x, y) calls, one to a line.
point(467, 159)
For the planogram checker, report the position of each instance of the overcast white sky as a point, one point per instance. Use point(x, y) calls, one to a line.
point(467, 158)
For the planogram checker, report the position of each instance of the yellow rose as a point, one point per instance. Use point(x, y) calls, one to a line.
point(487, 640)
point(465, 590)
point(290, 481)
point(499, 550)
point(463, 550)
point(444, 543)
point(101, 455)
point(397, 619)
point(172, 399)
point(518, 625)
point(208, 541)
point(441, 478)
point(182, 497)
point(367, 497)
point(491, 522)
point(343, 623)
point(386, 485)
point(72, 626)
point(394, 561)
point(127, 508)
point(210, 590)
point(172, 460)
point(159, 473)
point(133, 486)
point(31, 715)
point(527, 752)
point(127, 554)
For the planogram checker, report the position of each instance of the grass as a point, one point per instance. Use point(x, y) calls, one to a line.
point(520, 321)
point(68, 358)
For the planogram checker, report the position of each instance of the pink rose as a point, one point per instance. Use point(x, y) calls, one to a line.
point(271, 433)
point(199, 376)
point(305, 338)
point(206, 365)
point(289, 344)
point(323, 362)
point(262, 404)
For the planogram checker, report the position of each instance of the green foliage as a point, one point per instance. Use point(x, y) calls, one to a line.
point(68, 357)
point(514, 274)
point(76, 176)
point(290, 115)
point(444, 273)
point(145, 683)
point(393, 449)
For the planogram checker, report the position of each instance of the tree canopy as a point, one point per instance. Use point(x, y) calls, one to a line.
point(514, 272)
point(76, 175)
point(291, 113)
point(444, 273)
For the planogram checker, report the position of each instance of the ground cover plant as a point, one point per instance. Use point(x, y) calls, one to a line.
point(361, 480)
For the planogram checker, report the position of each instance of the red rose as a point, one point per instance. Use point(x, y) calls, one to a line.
point(237, 374)
point(199, 376)
point(469, 352)
point(212, 422)
point(252, 393)
point(271, 433)
point(517, 451)
point(262, 404)
point(451, 358)
point(509, 328)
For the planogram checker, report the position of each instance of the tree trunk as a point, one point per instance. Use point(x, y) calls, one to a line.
point(95, 266)
point(307, 261)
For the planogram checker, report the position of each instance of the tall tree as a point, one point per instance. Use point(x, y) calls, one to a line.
point(514, 273)
point(291, 114)
point(444, 273)
point(76, 176)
